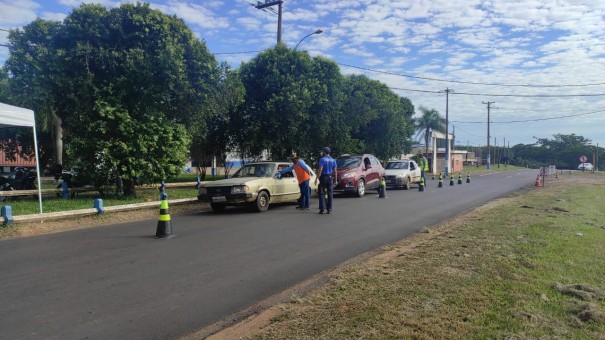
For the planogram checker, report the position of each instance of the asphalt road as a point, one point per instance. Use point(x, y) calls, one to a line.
point(118, 282)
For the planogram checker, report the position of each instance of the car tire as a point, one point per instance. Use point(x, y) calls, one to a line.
point(262, 202)
point(408, 184)
point(217, 207)
point(361, 188)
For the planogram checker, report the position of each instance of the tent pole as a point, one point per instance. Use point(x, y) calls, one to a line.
point(38, 167)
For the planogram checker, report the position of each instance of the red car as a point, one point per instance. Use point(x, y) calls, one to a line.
point(357, 173)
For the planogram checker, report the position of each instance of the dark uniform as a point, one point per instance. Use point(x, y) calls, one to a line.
point(327, 174)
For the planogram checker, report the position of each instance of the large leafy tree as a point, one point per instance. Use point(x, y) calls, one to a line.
point(34, 76)
point(380, 120)
point(4, 92)
point(562, 150)
point(130, 80)
point(279, 96)
point(217, 131)
point(327, 124)
point(429, 120)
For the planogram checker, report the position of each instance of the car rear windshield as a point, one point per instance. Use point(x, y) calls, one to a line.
point(256, 170)
point(348, 162)
point(397, 165)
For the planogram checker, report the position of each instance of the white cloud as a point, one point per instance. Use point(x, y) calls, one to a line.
point(15, 14)
point(194, 14)
point(53, 16)
point(249, 23)
point(77, 3)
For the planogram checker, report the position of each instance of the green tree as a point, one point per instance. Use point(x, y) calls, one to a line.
point(429, 120)
point(327, 125)
point(128, 82)
point(32, 65)
point(380, 120)
point(142, 69)
point(563, 151)
point(4, 91)
point(216, 131)
point(279, 97)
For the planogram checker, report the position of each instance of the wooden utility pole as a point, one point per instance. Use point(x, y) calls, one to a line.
point(269, 3)
point(488, 136)
point(447, 136)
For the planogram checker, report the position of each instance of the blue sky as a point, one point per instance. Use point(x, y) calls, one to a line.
point(541, 62)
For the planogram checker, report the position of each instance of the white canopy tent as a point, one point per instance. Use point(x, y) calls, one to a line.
point(13, 116)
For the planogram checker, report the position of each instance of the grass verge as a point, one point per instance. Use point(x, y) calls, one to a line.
point(529, 266)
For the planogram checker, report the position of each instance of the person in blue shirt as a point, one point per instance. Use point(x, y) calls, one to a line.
point(327, 177)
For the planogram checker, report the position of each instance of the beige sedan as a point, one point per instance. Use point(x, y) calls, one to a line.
point(256, 184)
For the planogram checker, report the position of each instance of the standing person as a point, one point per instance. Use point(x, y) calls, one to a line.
point(423, 163)
point(303, 175)
point(327, 177)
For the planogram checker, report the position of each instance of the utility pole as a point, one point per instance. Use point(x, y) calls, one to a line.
point(447, 136)
point(269, 3)
point(488, 136)
point(497, 152)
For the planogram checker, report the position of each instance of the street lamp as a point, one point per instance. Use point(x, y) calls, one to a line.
point(319, 31)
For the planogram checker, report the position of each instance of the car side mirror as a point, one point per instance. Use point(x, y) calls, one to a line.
point(278, 175)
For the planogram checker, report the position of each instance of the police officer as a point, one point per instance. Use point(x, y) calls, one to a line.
point(327, 176)
point(423, 163)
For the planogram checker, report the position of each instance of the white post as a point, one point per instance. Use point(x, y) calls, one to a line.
point(434, 160)
point(38, 167)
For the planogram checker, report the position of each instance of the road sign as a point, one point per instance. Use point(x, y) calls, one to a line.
point(583, 159)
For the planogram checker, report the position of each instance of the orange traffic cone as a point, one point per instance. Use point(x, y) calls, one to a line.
point(164, 229)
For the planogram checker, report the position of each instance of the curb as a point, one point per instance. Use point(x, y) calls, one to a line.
point(94, 211)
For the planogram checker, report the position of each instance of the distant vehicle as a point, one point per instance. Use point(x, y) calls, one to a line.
point(255, 184)
point(585, 166)
point(402, 173)
point(356, 173)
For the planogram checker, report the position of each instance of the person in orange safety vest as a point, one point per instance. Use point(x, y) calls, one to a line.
point(303, 175)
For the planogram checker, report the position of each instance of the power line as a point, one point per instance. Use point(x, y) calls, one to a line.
point(414, 90)
point(467, 82)
point(455, 81)
point(534, 120)
point(507, 95)
point(533, 95)
point(247, 52)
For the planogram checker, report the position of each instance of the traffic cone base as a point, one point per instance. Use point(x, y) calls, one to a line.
point(382, 189)
point(164, 228)
point(538, 184)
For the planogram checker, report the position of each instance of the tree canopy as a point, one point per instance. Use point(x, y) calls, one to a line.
point(429, 120)
point(131, 91)
point(562, 150)
point(125, 82)
point(298, 103)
